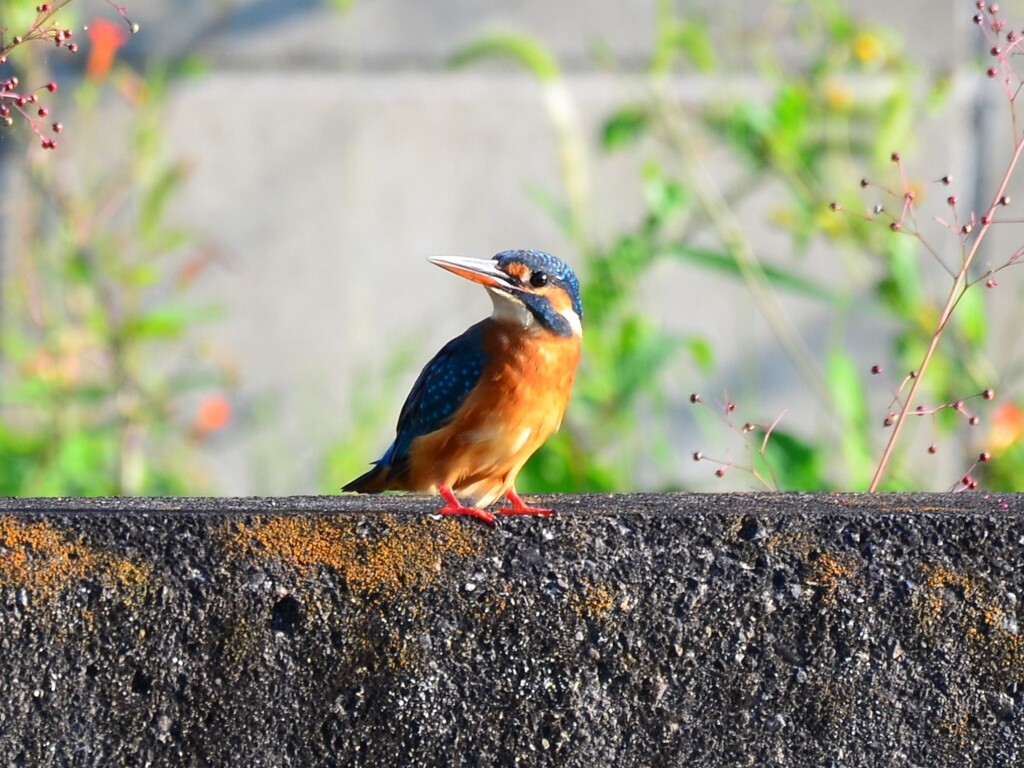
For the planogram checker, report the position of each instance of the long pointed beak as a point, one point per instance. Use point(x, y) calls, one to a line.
point(482, 271)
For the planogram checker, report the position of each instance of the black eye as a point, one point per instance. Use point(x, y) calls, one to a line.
point(539, 279)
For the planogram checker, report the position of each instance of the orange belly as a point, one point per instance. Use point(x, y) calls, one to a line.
point(518, 404)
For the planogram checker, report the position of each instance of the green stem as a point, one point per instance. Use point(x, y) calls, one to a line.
point(729, 229)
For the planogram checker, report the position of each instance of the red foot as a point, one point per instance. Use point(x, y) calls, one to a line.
point(520, 507)
point(456, 507)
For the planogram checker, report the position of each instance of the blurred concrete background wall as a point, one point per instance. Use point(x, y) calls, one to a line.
point(332, 149)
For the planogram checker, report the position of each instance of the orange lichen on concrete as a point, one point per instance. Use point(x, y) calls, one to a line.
point(822, 566)
point(42, 560)
point(37, 558)
point(829, 569)
point(593, 601)
point(406, 556)
point(956, 728)
point(957, 602)
point(940, 577)
point(304, 543)
point(960, 609)
point(935, 599)
point(130, 578)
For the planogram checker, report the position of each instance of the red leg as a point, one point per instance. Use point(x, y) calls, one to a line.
point(456, 507)
point(520, 507)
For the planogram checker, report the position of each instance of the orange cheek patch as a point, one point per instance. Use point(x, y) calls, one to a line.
point(520, 271)
point(560, 301)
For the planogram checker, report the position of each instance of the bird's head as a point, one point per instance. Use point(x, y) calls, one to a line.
point(527, 287)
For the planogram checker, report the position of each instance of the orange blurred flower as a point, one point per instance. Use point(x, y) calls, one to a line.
point(214, 413)
point(106, 37)
point(1007, 426)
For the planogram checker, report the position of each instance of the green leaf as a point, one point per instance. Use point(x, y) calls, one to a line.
point(155, 199)
point(78, 267)
point(84, 463)
point(725, 262)
point(92, 395)
point(851, 408)
point(970, 318)
point(939, 91)
point(192, 66)
point(694, 39)
point(168, 240)
point(901, 287)
point(643, 351)
point(141, 275)
point(745, 127)
point(664, 196)
point(20, 453)
point(790, 117)
point(796, 465)
point(162, 323)
point(847, 392)
point(895, 123)
point(702, 352)
point(522, 48)
point(558, 467)
point(624, 127)
point(840, 26)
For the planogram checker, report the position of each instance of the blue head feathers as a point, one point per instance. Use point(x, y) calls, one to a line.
point(558, 271)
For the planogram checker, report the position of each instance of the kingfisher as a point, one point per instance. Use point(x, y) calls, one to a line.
point(491, 397)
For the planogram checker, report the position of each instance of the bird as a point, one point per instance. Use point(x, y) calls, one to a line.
point(492, 395)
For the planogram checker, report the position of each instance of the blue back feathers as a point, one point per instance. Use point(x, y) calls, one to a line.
point(442, 386)
point(446, 381)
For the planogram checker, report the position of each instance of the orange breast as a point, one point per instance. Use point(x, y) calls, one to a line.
point(519, 402)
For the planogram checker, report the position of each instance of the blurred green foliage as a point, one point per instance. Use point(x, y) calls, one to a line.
point(373, 405)
point(96, 321)
point(807, 140)
point(94, 351)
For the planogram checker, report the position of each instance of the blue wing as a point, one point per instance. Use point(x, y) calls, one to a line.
point(441, 388)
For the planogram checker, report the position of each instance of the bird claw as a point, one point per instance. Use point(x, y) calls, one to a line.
point(525, 510)
point(455, 507)
point(479, 514)
point(520, 507)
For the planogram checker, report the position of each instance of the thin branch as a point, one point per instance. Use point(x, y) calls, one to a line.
point(960, 285)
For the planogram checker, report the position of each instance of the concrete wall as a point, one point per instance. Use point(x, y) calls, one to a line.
point(792, 631)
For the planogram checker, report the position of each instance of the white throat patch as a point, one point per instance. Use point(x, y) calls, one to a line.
point(509, 309)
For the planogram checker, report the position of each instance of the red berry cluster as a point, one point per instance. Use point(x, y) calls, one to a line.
point(1003, 43)
point(896, 410)
point(726, 412)
point(27, 103)
point(30, 107)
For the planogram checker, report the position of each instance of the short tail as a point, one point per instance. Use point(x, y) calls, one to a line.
point(374, 481)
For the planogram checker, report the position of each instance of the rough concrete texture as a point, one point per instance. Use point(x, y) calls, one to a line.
point(628, 630)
